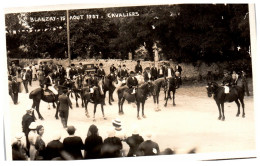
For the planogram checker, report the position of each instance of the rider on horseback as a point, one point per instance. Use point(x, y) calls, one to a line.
point(93, 83)
point(226, 81)
point(168, 73)
point(49, 84)
point(132, 83)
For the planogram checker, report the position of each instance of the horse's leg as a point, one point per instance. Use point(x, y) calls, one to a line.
point(57, 110)
point(158, 106)
point(122, 103)
point(165, 95)
point(223, 115)
point(38, 110)
point(110, 97)
point(119, 105)
point(82, 100)
point(173, 98)
point(112, 91)
point(53, 105)
point(86, 109)
point(143, 109)
point(155, 103)
point(166, 99)
point(238, 107)
point(102, 108)
point(95, 108)
point(219, 109)
point(243, 106)
point(105, 92)
point(138, 108)
point(76, 98)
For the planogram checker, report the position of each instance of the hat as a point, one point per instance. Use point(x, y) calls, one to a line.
point(116, 122)
point(123, 65)
point(33, 125)
point(138, 61)
point(72, 64)
point(132, 72)
point(19, 135)
point(56, 136)
point(71, 130)
point(101, 64)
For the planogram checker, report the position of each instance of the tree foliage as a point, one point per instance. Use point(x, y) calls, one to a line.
point(186, 32)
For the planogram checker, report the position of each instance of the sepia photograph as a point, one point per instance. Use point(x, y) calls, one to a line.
point(130, 81)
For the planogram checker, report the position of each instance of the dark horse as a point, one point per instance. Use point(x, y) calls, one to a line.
point(158, 83)
point(171, 85)
point(109, 85)
point(98, 98)
point(140, 96)
point(77, 88)
point(236, 94)
point(38, 94)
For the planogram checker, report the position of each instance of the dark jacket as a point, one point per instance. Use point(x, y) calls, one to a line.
point(138, 69)
point(93, 146)
point(27, 76)
point(64, 103)
point(134, 141)
point(162, 73)
point(154, 73)
point(101, 73)
point(81, 70)
point(148, 148)
point(146, 76)
point(227, 80)
point(166, 72)
point(92, 81)
point(111, 147)
point(131, 82)
point(26, 121)
point(72, 73)
point(15, 87)
point(73, 145)
point(124, 73)
point(53, 149)
point(112, 69)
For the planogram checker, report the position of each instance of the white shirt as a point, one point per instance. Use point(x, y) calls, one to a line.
point(169, 72)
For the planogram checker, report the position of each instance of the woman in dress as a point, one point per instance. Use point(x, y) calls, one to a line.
point(32, 137)
point(40, 144)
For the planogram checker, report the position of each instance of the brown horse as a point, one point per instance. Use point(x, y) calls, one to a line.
point(236, 94)
point(158, 83)
point(98, 98)
point(142, 92)
point(109, 85)
point(48, 96)
point(171, 85)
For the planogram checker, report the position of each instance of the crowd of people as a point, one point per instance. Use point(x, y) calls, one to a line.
point(29, 144)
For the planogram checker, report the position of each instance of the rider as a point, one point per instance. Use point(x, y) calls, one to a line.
point(101, 72)
point(124, 73)
point(132, 83)
point(49, 84)
point(93, 83)
point(226, 81)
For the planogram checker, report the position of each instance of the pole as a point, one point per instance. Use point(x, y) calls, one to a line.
point(68, 36)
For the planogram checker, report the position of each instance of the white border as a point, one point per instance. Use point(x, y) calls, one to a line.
point(66, 4)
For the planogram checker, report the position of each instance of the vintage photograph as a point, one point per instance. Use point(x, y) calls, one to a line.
point(130, 81)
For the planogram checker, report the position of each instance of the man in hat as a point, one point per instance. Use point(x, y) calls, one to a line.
point(138, 68)
point(45, 68)
point(73, 144)
point(96, 68)
point(101, 72)
point(124, 73)
point(63, 107)
point(132, 83)
point(27, 119)
point(154, 74)
point(15, 89)
point(80, 69)
point(62, 74)
point(169, 73)
point(112, 68)
point(73, 72)
point(148, 147)
point(178, 70)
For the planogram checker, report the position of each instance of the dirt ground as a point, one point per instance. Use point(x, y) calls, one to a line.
point(192, 123)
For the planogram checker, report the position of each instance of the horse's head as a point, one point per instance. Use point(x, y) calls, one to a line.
point(151, 88)
point(211, 88)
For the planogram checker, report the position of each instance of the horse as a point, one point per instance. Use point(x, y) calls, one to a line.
point(77, 88)
point(110, 82)
point(39, 94)
point(171, 85)
point(160, 82)
point(98, 98)
point(140, 96)
point(236, 94)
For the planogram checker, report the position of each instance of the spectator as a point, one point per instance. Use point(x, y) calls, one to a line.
point(26, 121)
point(30, 73)
point(32, 137)
point(93, 143)
point(73, 144)
point(18, 148)
point(168, 151)
point(112, 68)
point(244, 83)
point(54, 148)
point(15, 89)
point(112, 145)
point(147, 75)
point(154, 72)
point(10, 90)
point(63, 106)
point(40, 144)
point(138, 68)
point(234, 77)
point(148, 147)
point(34, 73)
point(134, 141)
point(161, 71)
point(118, 129)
